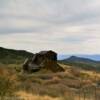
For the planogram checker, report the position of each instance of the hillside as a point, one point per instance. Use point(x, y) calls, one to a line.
point(10, 56)
point(72, 84)
point(82, 63)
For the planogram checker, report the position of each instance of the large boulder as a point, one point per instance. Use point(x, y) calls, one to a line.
point(42, 60)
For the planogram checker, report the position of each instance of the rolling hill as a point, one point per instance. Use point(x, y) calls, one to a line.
point(80, 62)
point(10, 56)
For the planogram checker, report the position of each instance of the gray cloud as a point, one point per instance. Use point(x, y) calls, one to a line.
point(75, 23)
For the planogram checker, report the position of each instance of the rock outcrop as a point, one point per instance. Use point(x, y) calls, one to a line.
point(42, 60)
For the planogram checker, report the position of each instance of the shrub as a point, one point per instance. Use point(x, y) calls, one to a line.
point(5, 86)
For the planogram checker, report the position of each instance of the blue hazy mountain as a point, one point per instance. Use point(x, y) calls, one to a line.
point(92, 57)
point(82, 62)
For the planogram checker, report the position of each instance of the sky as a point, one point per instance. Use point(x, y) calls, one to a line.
point(65, 26)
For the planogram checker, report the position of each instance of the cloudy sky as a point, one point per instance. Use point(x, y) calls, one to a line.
point(66, 26)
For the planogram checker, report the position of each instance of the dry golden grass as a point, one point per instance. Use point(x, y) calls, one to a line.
point(64, 66)
point(3, 71)
point(49, 86)
point(92, 74)
point(28, 96)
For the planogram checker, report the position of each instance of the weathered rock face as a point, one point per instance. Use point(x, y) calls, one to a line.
point(42, 60)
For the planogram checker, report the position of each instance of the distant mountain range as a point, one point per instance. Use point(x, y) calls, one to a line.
point(95, 57)
point(80, 62)
point(80, 59)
